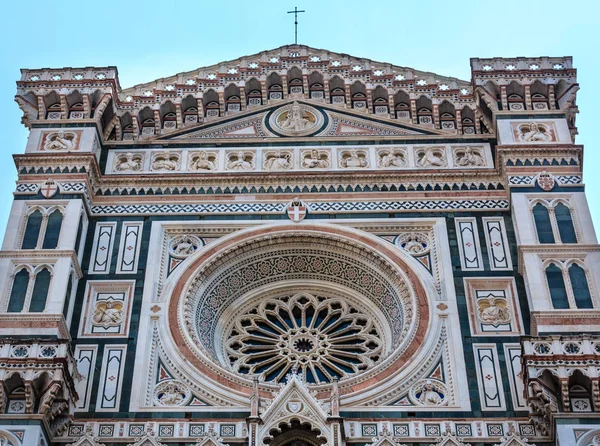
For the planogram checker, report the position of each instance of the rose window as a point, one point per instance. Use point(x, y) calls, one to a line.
point(321, 337)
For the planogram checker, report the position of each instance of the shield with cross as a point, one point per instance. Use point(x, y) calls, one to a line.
point(296, 210)
point(49, 189)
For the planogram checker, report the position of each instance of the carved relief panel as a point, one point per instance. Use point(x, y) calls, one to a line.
point(107, 308)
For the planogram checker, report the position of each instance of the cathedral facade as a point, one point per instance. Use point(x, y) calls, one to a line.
point(301, 247)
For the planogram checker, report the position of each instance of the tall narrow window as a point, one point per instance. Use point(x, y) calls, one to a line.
point(52, 230)
point(18, 292)
point(558, 290)
point(580, 287)
point(32, 230)
point(40, 291)
point(565, 224)
point(543, 224)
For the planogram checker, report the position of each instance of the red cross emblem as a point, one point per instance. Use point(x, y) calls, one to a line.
point(49, 188)
point(296, 210)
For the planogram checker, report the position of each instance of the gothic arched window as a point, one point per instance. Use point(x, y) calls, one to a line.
point(565, 224)
point(40, 291)
point(556, 284)
point(52, 230)
point(32, 230)
point(543, 224)
point(579, 285)
point(18, 292)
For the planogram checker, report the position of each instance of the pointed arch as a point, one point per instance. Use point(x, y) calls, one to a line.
point(557, 287)
point(40, 291)
point(515, 94)
point(127, 132)
point(580, 286)
point(294, 81)
point(146, 120)
point(18, 292)
point(232, 98)
point(33, 226)
point(274, 86)
point(358, 95)
point(402, 105)
point(53, 106)
point(539, 96)
point(168, 115)
point(53, 228)
point(543, 225)
point(424, 110)
point(447, 113)
point(564, 221)
point(316, 85)
point(253, 92)
point(337, 90)
point(189, 105)
point(380, 100)
point(210, 100)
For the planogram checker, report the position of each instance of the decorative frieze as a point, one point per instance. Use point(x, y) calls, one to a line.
point(389, 157)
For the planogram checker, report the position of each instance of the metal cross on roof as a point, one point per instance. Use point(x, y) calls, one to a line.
point(295, 12)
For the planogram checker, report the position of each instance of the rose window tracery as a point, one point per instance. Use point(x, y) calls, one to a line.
point(321, 337)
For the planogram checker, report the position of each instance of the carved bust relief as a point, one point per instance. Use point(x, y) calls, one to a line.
point(240, 160)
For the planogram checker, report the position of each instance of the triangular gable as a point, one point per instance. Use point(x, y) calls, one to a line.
point(450, 440)
point(88, 438)
point(513, 440)
point(149, 439)
point(281, 52)
point(341, 122)
point(294, 401)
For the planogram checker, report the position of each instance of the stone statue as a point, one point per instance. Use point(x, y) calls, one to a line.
point(313, 161)
point(61, 141)
point(165, 161)
point(201, 162)
point(129, 162)
point(392, 160)
point(278, 161)
point(429, 396)
point(238, 162)
point(170, 395)
point(296, 120)
point(533, 134)
point(470, 158)
point(107, 314)
point(431, 158)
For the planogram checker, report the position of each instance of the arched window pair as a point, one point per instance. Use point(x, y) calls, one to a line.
point(29, 290)
point(42, 228)
point(568, 286)
point(554, 223)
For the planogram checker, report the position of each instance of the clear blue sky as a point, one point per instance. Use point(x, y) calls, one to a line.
point(150, 39)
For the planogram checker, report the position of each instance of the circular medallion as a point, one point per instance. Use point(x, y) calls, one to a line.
point(296, 120)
